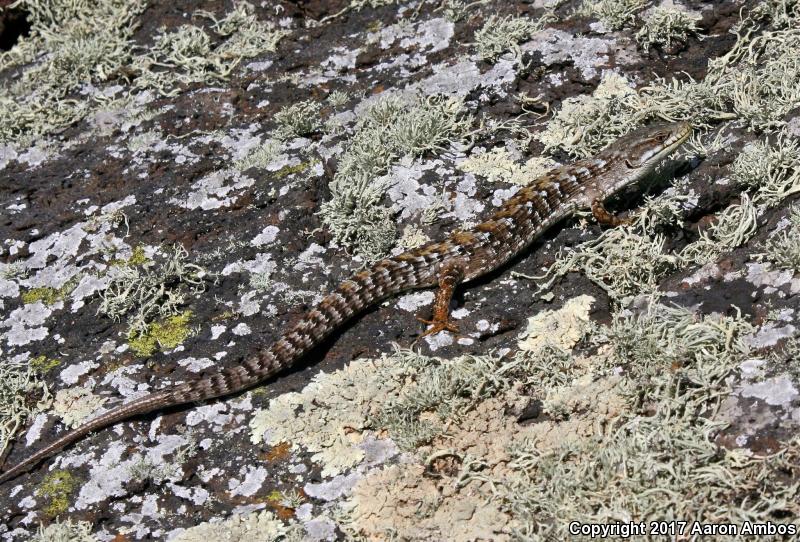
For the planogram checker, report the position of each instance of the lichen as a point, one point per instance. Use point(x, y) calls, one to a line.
point(562, 328)
point(164, 335)
point(299, 119)
point(666, 25)
point(156, 289)
point(621, 261)
point(497, 165)
point(65, 531)
point(262, 526)
point(43, 364)
point(388, 130)
point(18, 383)
point(74, 405)
point(56, 489)
point(615, 14)
point(47, 294)
point(783, 247)
point(501, 34)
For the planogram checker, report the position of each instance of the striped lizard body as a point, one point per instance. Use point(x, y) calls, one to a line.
point(461, 257)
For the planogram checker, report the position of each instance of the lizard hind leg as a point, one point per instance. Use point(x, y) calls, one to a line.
point(605, 217)
point(450, 276)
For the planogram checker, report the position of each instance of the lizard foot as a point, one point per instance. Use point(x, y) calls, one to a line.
point(437, 326)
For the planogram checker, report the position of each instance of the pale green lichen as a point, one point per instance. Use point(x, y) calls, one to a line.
point(771, 172)
point(783, 247)
point(455, 10)
point(337, 98)
point(65, 531)
point(562, 328)
point(18, 383)
point(622, 262)
point(659, 462)
point(497, 165)
point(665, 25)
point(261, 156)
point(329, 416)
point(299, 119)
point(156, 289)
point(442, 390)
point(585, 124)
point(186, 55)
point(615, 14)
point(56, 489)
point(71, 43)
point(247, 36)
point(758, 81)
point(74, 405)
point(74, 44)
point(501, 34)
point(388, 130)
point(262, 526)
point(735, 225)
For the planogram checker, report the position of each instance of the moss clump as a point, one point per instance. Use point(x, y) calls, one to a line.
point(43, 364)
point(56, 489)
point(164, 335)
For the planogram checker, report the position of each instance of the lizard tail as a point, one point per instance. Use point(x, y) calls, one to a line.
point(138, 406)
point(349, 298)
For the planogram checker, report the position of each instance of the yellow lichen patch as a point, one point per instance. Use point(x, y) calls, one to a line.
point(138, 257)
point(45, 294)
point(292, 170)
point(164, 335)
point(43, 364)
point(563, 327)
point(55, 489)
point(74, 405)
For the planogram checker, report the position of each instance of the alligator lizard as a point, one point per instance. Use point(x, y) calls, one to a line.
point(461, 257)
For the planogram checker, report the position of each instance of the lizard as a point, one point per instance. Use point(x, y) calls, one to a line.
point(460, 258)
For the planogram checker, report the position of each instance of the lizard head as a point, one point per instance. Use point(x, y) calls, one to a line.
point(647, 146)
point(635, 155)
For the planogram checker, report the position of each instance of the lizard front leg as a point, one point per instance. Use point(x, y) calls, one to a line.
point(450, 276)
point(605, 217)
